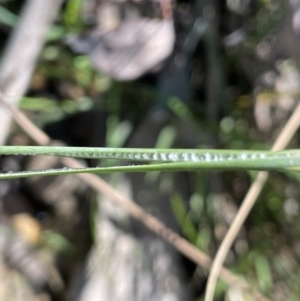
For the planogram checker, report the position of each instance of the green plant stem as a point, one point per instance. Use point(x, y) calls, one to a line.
point(165, 159)
point(146, 154)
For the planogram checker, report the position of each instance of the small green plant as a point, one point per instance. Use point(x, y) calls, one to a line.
point(159, 159)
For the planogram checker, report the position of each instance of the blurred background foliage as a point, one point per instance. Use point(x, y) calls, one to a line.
point(234, 86)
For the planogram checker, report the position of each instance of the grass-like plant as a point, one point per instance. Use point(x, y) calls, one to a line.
point(158, 159)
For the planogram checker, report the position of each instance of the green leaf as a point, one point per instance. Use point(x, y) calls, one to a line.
point(183, 219)
point(263, 272)
point(165, 159)
point(7, 17)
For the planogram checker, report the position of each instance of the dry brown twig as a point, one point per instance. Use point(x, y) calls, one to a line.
point(281, 142)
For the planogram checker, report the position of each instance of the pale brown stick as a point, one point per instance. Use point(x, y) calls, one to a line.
point(22, 51)
point(283, 139)
point(181, 244)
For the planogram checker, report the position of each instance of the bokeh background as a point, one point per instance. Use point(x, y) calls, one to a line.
point(155, 74)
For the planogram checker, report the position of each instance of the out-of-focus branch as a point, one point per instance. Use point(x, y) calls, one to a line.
point(281, 142)
point(21, 53)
